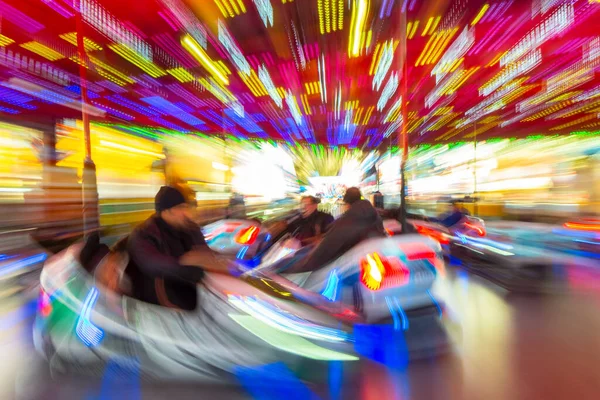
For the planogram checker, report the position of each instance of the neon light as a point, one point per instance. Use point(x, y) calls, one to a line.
point(232, 49)
point(480, 14)
point(359, 16)
point(285, 322)
point(103, 21)
point(5, 40)
point(23, 21)
point(289, 342)
point(556, 23)
point(248, 235)
point(181, 74)
point(331, 289)
point(42, 50)
point(322, 78)
point(242, 252)
point(414, 30)
point(110, 69)
point(388, 91)
point(20, 264)
point(138, 60)
point(199, 54)
point(294, 108)
point(384, 63)
point(86, 331)
point(429, 22)
point(265, 10)
point(582, 227)
point(88, 43)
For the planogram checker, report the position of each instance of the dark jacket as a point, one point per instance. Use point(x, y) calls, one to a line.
point(156, 274)
point(452, 219)
point(360, 222)
point(314, 225)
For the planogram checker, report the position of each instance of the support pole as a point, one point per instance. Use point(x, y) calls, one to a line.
point(475, 201)
point(403, 134)
point(89, 182)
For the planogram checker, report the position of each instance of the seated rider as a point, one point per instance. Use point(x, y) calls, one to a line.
point(168, 254)
point(313, 224)
point(455, 215)
point(360, 221)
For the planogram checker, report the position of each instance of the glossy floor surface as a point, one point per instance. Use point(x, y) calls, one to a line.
point(505, 346)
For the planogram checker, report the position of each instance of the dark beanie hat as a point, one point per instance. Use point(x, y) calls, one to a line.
point(352, 195)
point(168, 197)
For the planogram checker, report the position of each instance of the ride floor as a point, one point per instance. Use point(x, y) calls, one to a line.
point(505, 346)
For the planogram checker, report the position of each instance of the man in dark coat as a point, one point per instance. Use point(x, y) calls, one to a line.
point(313, 224)
point(168, 254)
point(359, 222)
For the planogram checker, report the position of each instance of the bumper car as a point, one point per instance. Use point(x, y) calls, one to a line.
point(255, 319)
point(445, 236)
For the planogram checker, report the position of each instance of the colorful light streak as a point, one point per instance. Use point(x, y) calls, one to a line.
point(555, 24)
point(265, 10)
point(480, 14)
point(199, 54)
point(5, 40)
point(42, 50)
point(292, 104)
point(360, 10)
point(232, 48)
point(388, 91)
point(265, 78)
point(383, 63)
point(88, 43)
point(138, 60)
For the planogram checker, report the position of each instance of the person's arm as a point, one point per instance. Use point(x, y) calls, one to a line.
point(144, 252)
point(204, 258)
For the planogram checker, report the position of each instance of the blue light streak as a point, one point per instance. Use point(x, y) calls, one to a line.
point(331, 289)
point(242, 253)
point(86, 331)
point(25, 262)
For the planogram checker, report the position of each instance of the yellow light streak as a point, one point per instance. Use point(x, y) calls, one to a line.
point(414, 30)
point(242, 6)
point(359, 16)
point(447, 36)
point(199, 54)
point(429, 21)
point(427, 50)
point(5, 40)
point(321, 17)
point(375, 58)
point(88, 43)
point(358, 115)
point(496, 59)
point(42, 50)
point(305, 104)
point(137, 60)
point(435, 24)
point(368, 115)
point(181, 74)
point(480, 15)
point(110, 69)
point(340, 15)
point(224, 8)
point(327, 16)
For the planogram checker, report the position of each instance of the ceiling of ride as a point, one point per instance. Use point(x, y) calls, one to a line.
point(309, 71)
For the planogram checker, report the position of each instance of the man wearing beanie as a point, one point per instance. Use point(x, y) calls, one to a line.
point(169, 254)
